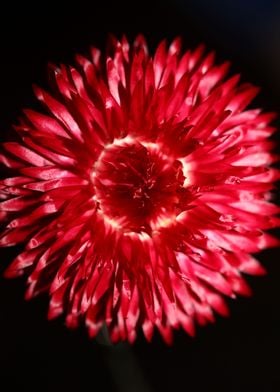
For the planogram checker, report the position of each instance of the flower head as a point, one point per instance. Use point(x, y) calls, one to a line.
point(142, 191)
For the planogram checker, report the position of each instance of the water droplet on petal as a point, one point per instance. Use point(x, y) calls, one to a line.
point(231, 180)
point(227, 218)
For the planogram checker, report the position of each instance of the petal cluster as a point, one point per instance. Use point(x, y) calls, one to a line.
point(142, 191)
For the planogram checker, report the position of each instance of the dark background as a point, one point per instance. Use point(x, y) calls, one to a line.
point(235, 354)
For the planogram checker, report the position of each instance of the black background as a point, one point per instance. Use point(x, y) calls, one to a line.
point(239, 353)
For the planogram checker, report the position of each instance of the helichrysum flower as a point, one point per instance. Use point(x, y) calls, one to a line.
point(141, 192)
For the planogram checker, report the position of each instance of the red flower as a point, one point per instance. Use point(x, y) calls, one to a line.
point(142, 193)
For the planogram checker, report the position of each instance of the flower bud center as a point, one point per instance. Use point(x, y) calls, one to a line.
point(137, 185)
